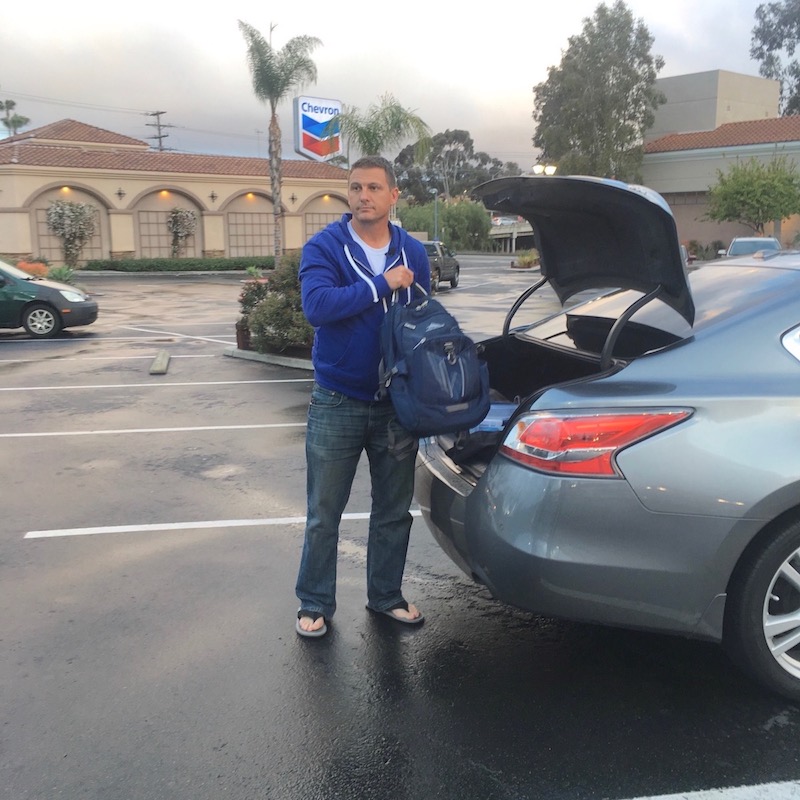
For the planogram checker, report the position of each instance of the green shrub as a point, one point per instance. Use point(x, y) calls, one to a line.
point(253, 292)
point(63, 274)
point(277, 322)
point(244, 263)
point(527, 258)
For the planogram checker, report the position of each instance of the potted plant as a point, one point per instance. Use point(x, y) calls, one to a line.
point(254, 291)
point(278, 323)
point(526, 259)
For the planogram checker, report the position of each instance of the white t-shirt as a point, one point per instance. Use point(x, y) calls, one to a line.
point(375, 255)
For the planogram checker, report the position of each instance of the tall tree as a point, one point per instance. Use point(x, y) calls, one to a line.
point(594, 108)
point(774, 39)
point(275, 74)
point(450, 168)
point(754, 193)
point(381, 127)
point(12, 122)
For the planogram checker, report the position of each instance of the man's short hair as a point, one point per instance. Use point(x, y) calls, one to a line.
point(377, 162)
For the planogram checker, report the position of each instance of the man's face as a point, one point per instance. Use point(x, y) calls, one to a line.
point(369, 195)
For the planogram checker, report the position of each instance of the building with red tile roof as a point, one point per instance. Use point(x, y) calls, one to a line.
point(134, 187)
point(710, 121)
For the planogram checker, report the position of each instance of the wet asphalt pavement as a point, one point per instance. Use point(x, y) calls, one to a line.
point(150, 543)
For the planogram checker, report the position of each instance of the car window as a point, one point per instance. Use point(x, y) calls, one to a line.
point(718, 292)
point(431, 249)
point(747, 246)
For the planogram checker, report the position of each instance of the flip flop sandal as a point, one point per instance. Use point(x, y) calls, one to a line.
point(313, 616)
point(389, 612)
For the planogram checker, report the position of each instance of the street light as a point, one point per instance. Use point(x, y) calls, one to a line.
point(435, 194)
point(544, 169)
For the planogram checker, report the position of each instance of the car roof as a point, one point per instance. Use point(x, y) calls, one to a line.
point(595, 233)
point(754, 239)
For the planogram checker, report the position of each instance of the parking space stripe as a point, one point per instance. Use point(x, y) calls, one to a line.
point(149, 384)
point(175, 333)
point(103, 358)
point(184, 526)
point(118, 431)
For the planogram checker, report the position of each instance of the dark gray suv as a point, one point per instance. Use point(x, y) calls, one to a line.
point(444, 264)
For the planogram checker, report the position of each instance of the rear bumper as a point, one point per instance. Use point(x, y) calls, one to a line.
point(577, 548)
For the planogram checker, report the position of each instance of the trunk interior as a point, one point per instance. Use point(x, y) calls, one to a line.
point(518, 370)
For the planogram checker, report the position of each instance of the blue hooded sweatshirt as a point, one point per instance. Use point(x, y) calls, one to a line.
point(346, 303)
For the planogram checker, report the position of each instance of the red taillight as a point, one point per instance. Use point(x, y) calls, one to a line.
point(584, 443)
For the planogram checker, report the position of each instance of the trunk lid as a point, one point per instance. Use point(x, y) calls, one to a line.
point(597, 233)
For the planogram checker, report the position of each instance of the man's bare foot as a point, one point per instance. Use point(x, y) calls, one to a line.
point(404, 612)
point(310, 623)
point(412, 614)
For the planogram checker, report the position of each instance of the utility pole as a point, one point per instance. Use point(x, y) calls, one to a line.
point(158, 126)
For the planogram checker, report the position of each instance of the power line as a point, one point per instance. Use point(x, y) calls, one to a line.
point(76, 104)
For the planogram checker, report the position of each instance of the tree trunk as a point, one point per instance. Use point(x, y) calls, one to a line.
point(275, 180)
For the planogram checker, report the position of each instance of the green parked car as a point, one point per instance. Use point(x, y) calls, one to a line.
point(41, 306)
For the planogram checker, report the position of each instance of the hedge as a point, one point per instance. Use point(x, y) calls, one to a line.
point(180, 264)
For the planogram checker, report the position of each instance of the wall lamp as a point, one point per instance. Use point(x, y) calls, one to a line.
point(120, 193)
point(213, 196)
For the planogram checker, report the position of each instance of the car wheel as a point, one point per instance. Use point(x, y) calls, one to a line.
point(41, 321)
point(762, 621)
point(454, 281)
point(434, 281)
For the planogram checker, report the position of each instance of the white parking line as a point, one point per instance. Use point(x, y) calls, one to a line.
point(183, 526)
point(93, 387)
point(42, 434)
point(104, 339)
point(103, 358)
point(175, 333)
point(790, 790)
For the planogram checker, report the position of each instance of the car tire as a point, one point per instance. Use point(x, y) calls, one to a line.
point(434, 281)
point(762, 619)
point(454, 281)
point(41, 320)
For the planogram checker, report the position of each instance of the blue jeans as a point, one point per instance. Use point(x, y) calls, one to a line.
point(339, 430)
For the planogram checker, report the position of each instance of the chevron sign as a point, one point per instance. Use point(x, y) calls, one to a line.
point(313, 136)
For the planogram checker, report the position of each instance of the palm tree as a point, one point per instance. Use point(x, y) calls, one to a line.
point(381, 128)
point(13, 122)
point(275, 74)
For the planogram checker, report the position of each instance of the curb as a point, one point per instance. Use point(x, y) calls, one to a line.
point(269, 358)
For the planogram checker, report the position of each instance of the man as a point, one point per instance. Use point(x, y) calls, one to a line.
point(349, 274)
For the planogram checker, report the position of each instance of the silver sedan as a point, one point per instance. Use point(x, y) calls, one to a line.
point(640, 465)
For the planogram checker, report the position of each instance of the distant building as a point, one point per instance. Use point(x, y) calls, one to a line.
point(711, 120)
point(134, 188)
point(703, 101)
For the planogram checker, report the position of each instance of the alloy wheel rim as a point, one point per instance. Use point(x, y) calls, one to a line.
point(41, 321)
point(781, 615)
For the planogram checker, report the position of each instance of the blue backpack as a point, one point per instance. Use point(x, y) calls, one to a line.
point(432, 371)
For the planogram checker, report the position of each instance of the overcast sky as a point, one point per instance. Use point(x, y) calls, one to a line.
point(454, 66)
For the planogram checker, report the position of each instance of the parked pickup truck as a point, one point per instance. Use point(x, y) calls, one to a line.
point(444, 264)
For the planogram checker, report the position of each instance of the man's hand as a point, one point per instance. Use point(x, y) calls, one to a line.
point(399, 277)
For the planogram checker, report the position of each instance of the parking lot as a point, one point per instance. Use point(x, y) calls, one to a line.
point(153, 524)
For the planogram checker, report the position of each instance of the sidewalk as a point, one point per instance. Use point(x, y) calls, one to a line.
point(269, 358)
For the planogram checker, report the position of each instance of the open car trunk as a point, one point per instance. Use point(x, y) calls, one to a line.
point(591, 234)
point(519, 369)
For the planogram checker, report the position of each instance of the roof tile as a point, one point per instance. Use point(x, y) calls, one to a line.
point(62, 144)
point(732, 134)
